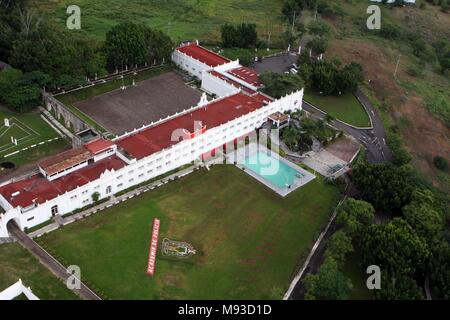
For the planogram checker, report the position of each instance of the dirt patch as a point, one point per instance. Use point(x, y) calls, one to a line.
point(344, 148)
point(425, 135)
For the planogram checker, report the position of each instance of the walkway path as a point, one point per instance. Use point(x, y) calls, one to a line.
point(48, 261)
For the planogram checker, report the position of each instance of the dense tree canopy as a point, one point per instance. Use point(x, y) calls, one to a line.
point(328, 78)
point(354, 216)
point(278, 85)
point(385, 186)
point(243, 35)
point(17, 91)
point(328, 284)
point(395, 248)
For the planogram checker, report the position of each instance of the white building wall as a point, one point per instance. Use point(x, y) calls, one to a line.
point(189, 64)
point(16, 290)
point(217, 86)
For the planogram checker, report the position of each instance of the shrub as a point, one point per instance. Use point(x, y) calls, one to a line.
point(441, 163)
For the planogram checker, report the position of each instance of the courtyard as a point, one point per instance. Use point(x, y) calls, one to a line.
point(121, 111)
point(248, 241)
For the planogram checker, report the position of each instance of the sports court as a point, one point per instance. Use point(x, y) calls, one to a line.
point(121, 111)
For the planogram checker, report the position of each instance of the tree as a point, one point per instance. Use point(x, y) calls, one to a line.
point(441, 163)
point(398, 287)
point(423, 217)
point(126, 44)
point(395, 248)
point(18, 92)
point(95, 197)
point(339, 245)
point(349, 77)
point(319, 28)
point(243, 35)
point(354, 216)
point(328, 284)
point(278, 85)
point(385, 186)
point(319, 45)
point(159, 45)
point(323, 76)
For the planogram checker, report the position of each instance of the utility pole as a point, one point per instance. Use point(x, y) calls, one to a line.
point(396, 67)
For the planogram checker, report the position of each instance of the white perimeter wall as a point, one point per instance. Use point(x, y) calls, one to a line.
point(16, 290)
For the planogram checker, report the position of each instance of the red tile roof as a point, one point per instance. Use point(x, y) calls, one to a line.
point(98, 145)
point(156, 138)
point(204, 55)
point(38, 189)
point(65, 160)
point(246, 74)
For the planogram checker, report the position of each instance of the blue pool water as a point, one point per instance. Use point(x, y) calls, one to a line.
point(272, 169)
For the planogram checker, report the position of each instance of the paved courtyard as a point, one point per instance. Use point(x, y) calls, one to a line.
point(124, 110)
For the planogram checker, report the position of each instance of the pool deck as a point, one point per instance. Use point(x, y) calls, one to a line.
point(249, 150)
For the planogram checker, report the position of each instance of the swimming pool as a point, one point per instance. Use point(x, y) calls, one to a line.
point(273, 170)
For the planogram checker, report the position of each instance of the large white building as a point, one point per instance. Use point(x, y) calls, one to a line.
point(67, 181)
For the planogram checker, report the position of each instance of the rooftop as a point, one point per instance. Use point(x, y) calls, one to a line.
point(204, 55)
point(159, 137)
point(65, 160)
point(37, 189)
point(99, 145)
point(246, 74)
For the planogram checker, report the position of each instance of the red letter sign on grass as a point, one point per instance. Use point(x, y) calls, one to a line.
point(153, 248)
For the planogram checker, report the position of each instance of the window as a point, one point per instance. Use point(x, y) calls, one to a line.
point(85, 191)
point(119, 177)
point(73, 197)
point(149, 171)
point(130, 172)
point(30, 218)
point(108, 189)
point(131, 180)
point(120, 185)
point(142, 167)
point(54, 210)
point(85, 201)
point(141, 175)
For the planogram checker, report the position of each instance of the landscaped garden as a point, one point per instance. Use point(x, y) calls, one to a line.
point(345, 107)
point(17, 263)
point(248, 240)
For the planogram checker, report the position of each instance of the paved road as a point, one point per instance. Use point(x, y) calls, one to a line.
point(48, 261)
point(374, 139)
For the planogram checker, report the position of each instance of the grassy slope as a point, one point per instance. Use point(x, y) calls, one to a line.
point(17, 263)
point(422, 102)
point(249, 240)
point(346, 107)
point(181, 19)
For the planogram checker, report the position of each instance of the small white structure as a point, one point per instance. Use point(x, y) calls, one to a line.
point(16, 290)
point(13, 141)
point(7, 122)
point(203, 100)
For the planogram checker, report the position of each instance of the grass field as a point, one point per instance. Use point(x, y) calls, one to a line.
point(29, 129)
point(346, 107)
point(181, 19)
point(17, 263)
point(80, 95)
point(248, 239)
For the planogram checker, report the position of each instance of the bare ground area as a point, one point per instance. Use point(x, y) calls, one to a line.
point(424, 134)
point(150, 100)
point(344, 148)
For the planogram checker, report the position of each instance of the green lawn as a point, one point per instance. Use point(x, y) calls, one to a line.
point(70, 98)
point(248, 239)
point(17, 263)
point(28, 129)
point(181, 19)
point(346, 107)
